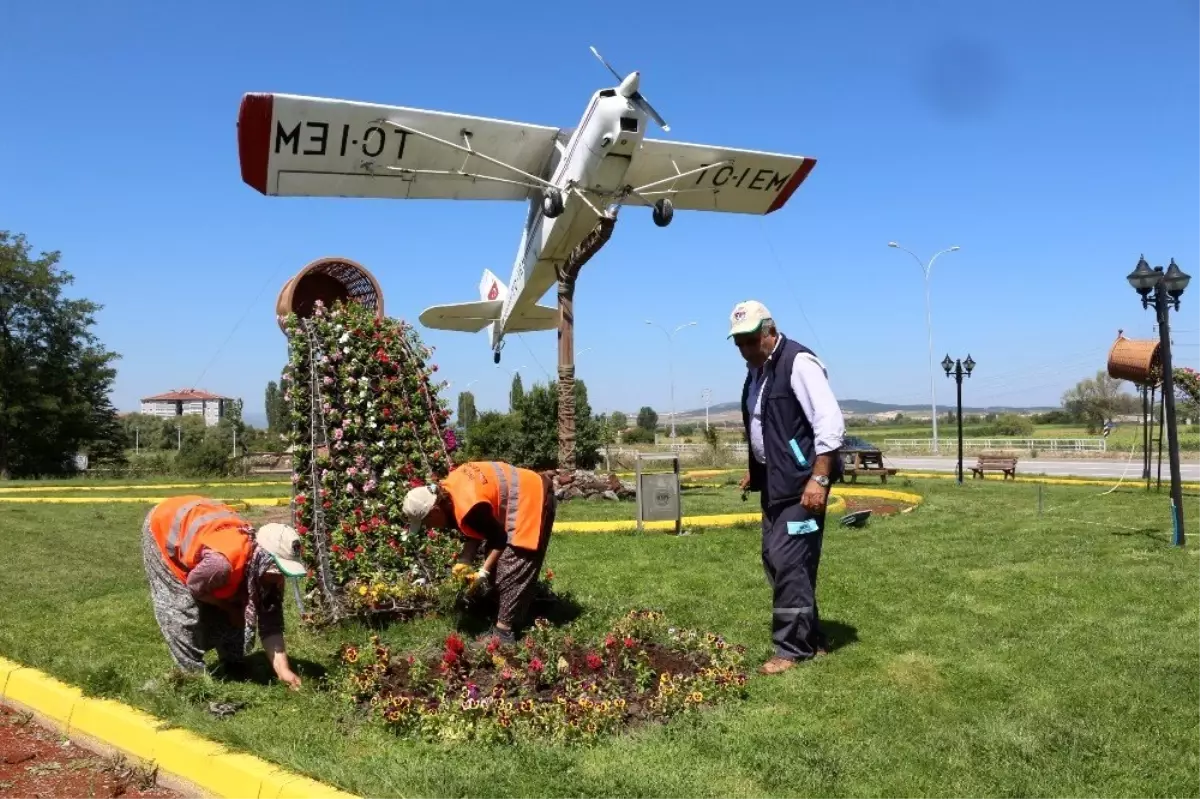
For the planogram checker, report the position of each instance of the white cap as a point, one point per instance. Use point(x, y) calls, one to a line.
point(283, 544)
point(747, 317)
point(417, 504)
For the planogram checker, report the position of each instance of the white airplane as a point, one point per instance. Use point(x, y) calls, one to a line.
point(296, 146)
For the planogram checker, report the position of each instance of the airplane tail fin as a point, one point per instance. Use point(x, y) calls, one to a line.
point(492, 288)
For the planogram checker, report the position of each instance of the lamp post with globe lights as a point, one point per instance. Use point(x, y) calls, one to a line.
point(960, 368)
point(1163, 290)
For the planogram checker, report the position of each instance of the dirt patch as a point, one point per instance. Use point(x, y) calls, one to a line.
point(877, 505)
point(36, 762)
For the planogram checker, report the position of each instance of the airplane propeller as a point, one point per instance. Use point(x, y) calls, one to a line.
point(629, 88)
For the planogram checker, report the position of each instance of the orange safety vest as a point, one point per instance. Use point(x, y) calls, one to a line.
point(515, 496)
point(184, 526)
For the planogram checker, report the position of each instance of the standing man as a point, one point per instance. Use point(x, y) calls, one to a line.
point(794, 427)
point(511, 510)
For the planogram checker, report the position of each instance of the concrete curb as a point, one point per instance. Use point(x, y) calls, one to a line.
point(183, 758)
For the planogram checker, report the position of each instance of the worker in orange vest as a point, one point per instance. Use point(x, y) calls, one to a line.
point(508, 509)
point(215, 582)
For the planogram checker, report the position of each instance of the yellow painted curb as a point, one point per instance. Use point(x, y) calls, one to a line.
point(882, 493)
point(269, 501)
point(836, 505)
point(205, 764)
point(142, 486)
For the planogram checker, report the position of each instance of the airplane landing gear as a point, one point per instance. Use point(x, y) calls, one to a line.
point(496, 357)
point(663, 212)
point(552, 203)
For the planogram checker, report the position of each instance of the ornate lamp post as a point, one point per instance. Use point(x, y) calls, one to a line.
point(1163, 290)
point(960, 368)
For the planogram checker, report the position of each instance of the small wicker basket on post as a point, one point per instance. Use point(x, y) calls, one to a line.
point(328, 280)
point(1135, 360)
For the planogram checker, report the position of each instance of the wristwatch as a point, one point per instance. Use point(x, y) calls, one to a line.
point(822, 480)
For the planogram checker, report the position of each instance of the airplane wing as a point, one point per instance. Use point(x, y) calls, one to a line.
point(468, 317)
point(751, 183)
point(295, 146)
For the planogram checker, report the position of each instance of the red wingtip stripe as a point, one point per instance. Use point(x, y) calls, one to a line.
point(254, 138)
point(785, 193)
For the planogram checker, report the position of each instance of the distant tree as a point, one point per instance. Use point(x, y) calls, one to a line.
point(55, 376)
point(467, 414)
point(618, 420)
point(647, 419)
point(516, 393)
point(1097, 399)
point(272, 406)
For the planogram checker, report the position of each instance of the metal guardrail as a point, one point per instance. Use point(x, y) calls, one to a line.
point(1026, 444)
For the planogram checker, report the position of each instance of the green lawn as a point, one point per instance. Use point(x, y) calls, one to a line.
point(983, 650)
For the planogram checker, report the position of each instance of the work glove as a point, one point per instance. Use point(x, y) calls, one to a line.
point(481, 584)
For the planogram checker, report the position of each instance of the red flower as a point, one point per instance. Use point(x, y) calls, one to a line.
point(609, 642)
point(594, 662)
point(454, 644)
point(449, 658)
point(536, 666)
point(629, 642)
point(549, 575)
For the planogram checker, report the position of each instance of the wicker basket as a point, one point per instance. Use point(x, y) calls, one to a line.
point(1135, 360)
point(328, 280)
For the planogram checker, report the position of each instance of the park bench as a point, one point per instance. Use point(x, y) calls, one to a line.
point(995, 463)
point(867, 463)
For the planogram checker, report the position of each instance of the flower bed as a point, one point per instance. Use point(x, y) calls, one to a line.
point(366, 424)
point(548, 686)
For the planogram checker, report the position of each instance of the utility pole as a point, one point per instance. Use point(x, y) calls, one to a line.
point(706, 394)
point(927, 270)
point(671, 366)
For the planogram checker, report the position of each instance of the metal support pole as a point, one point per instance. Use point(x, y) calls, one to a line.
point(958, 379)
point(1164, 331)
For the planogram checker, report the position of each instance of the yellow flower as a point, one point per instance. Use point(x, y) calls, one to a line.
point(665, 677)
point(362, 590)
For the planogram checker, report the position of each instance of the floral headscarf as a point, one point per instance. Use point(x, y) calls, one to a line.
point(260, 563)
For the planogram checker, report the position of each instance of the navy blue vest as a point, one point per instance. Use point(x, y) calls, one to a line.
point(788, 439)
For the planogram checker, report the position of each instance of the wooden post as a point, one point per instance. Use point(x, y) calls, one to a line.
point(567, 275)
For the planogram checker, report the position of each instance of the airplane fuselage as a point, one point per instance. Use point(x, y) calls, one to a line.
point(595, 159)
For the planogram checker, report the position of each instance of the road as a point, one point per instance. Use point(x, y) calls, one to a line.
point(1189, 467)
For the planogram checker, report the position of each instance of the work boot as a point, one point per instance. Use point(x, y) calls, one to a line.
point(505, 636)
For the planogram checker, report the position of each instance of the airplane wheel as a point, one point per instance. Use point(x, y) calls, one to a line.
point(496, 358)
point(552, 203)
point(663, 212)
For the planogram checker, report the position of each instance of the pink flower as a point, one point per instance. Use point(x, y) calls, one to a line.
point(536, 666)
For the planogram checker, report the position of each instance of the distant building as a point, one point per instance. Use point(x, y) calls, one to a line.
point(188, 402)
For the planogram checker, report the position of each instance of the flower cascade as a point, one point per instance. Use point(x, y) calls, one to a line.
point(547, 686)
point(380, 429)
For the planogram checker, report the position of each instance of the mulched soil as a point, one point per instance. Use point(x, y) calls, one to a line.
point(877, 505)
point(35, 762)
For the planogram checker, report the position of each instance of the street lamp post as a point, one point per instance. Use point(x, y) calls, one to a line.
point(927, 270)
point(706, 395)
point(960, 368)
point(671, 366)
point(1163, 290)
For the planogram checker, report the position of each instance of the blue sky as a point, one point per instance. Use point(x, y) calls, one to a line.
point(1053, 142)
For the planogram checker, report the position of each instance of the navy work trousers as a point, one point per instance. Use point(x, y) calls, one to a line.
point(791, 552)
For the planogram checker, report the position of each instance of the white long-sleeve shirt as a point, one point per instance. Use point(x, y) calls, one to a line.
point(810, 385)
